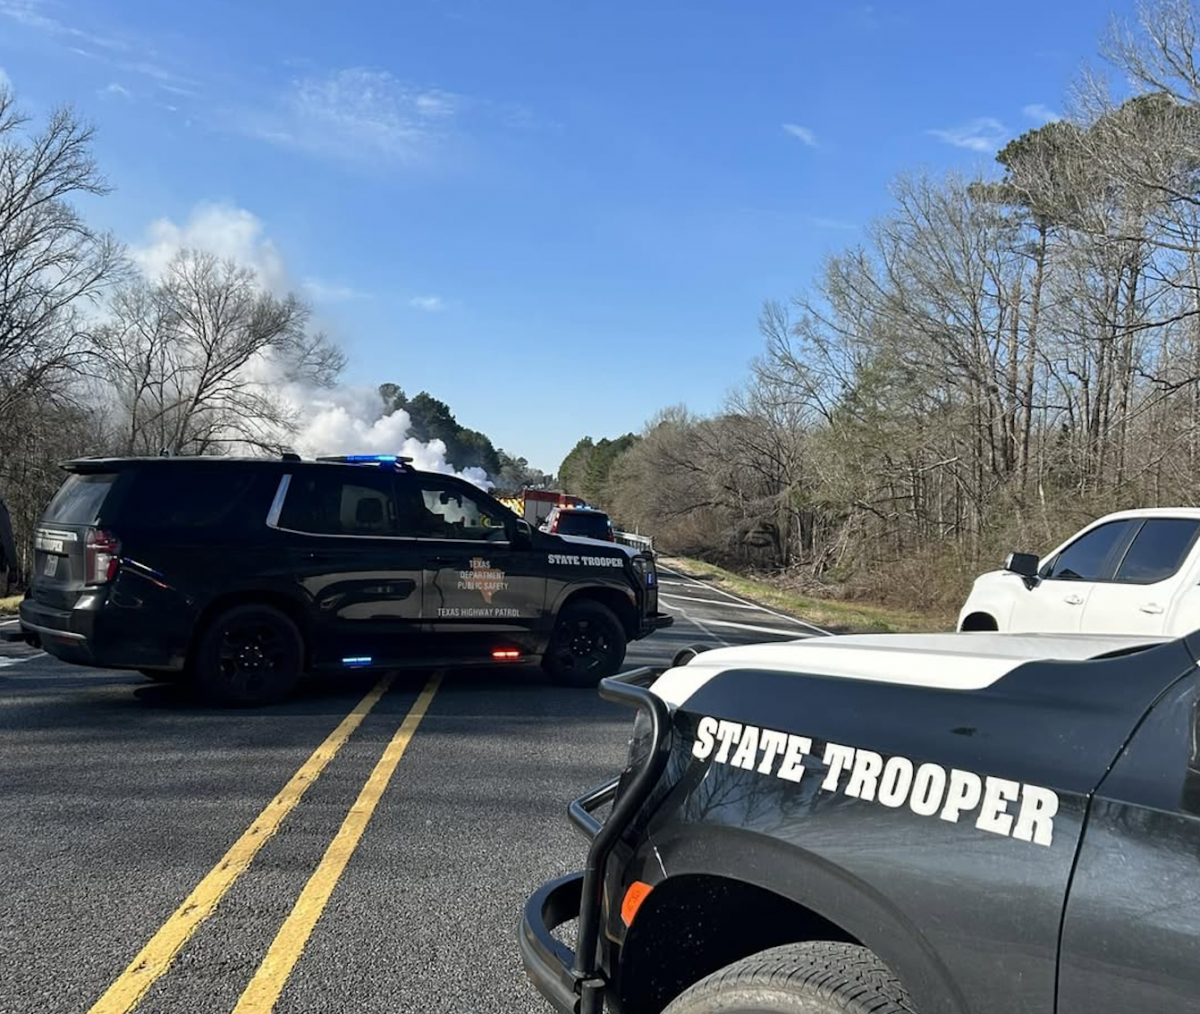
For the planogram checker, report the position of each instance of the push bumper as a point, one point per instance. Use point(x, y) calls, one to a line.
point(655, 621)
point(573, 981)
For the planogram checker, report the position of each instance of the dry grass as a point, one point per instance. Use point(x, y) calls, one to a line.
point(8, 606)
point(831, 614)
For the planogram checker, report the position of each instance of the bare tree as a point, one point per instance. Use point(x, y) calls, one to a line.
point(53, 266)
point(195, 360)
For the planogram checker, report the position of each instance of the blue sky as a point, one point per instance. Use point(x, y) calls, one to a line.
point(556, 216)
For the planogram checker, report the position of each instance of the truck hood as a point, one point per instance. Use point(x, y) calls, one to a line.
point(953, 661)
point(582, 540)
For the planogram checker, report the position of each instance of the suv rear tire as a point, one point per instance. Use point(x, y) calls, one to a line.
point(248, 655)
point(812, 978)
point(587, 645)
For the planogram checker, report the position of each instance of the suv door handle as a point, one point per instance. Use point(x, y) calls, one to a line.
point(1150, 607)
point(1072, 600)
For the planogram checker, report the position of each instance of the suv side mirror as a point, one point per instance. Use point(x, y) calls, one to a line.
point(522, 536)
point(1024, 564)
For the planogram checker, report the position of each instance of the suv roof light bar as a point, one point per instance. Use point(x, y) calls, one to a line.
point(365, 459)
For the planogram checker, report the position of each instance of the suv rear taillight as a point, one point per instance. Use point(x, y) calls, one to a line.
point(103, 554)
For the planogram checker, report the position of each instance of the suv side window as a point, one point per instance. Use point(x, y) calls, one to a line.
point(1088, 558)
point(1158, 551)
point(450, 512)
point(189, 497)
point(337, 501)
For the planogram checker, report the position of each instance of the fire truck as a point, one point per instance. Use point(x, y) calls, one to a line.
point(535, 504)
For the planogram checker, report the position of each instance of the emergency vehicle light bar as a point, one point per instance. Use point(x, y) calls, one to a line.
point(359, 459)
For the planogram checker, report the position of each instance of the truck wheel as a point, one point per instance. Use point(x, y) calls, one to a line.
point(248, 655)
point(811, 978)
point(588, 644)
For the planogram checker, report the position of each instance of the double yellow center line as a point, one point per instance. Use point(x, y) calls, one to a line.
point(154, 960)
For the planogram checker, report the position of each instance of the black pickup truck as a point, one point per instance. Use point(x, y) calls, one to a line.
point(929, 824)
point(240, 574)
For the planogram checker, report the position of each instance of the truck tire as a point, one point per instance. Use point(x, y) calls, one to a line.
point(248, 655)
point(587, 645)
point(810, 978)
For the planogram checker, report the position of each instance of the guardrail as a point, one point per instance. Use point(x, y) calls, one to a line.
point(637, 541)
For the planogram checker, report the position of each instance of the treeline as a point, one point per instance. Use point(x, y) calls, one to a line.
point(1002, 359)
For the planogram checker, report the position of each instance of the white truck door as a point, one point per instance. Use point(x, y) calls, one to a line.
point(1066, 582)
point(1147, 586)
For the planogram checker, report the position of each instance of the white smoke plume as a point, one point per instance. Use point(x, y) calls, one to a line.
point(343, 420)
point(347, 420)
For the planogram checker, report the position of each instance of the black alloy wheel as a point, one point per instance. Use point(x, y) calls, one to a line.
point(587, 645)
point(249, 655)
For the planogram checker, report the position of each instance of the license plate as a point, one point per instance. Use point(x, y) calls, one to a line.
point(51, 567)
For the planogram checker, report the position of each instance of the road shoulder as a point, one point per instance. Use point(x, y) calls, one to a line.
point(828, 614)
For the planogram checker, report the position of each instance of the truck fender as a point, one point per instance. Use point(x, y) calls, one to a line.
point(817, 885)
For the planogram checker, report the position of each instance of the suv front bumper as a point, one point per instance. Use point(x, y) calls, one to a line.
point(574, 982)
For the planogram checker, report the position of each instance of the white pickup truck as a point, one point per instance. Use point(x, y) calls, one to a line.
point(1134, 572)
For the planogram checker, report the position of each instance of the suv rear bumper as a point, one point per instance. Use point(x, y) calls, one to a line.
point(89, 635)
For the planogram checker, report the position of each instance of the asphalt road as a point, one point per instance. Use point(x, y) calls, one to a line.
point(159, 855)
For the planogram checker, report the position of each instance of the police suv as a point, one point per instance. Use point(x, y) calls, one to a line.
point(241, 573)
point(971, 823)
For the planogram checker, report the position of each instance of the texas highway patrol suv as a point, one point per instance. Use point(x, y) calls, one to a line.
point(240, 574)
point(892, 824)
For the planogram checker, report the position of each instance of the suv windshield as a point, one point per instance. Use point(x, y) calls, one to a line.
point(591, 524)
point(78, 500)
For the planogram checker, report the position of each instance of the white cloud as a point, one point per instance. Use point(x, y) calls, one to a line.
point(832, 223)
point(331, 292)
point(221, 229)
point(983, 134)
point(31, 14)
point(1041, 113)
point(5, 81)
point(430, 304)
point(358, 114)
point(115, 91)
point(803, 133)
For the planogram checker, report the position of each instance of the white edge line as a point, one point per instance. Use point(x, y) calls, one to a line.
point(761, 630)
point(702, 628)
point(6, 662)
point(738, 598)
point(696, 598)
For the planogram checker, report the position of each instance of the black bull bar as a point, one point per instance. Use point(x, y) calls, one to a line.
point(574, 982)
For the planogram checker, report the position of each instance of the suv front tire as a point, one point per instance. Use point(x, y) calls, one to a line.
point(587, 645)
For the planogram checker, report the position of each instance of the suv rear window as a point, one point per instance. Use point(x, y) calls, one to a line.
point(78, 500)
point(586, 523)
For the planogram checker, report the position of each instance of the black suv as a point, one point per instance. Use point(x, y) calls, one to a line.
point(241, 573)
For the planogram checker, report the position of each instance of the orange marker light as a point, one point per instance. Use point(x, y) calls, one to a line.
point(637, 893)
point(505, 654)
